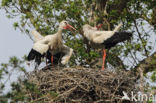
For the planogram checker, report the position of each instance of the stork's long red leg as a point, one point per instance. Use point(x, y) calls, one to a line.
point(104, 57)
point(52, 60)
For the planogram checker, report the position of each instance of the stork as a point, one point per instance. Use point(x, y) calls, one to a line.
point(51, 45)
point(53, 59)
point(104, 39)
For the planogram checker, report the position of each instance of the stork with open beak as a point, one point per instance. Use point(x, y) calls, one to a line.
point(52, 44)
point(104, 39)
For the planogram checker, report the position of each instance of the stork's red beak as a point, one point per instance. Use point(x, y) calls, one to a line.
point(69, 27)
point(99, 26)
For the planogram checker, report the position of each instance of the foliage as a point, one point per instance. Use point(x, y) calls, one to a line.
point(14, 65)
point(153, 77)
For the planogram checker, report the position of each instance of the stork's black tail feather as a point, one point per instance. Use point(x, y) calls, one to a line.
point(33, 54)
point(116, 38)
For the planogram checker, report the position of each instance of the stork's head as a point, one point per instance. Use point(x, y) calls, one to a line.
point(64, 25)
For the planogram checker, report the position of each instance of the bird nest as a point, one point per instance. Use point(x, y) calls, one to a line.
point(80, 85)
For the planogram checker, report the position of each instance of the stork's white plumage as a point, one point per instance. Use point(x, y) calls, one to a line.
point(96, 36)
point(104, 39)
point(50, 43)
point(37, 36)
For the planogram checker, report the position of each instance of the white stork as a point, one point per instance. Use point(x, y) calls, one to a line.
point(50, 44)
point(104, 39)
point(53, 59)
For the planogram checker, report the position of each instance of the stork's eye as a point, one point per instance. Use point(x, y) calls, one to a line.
point(65, 23)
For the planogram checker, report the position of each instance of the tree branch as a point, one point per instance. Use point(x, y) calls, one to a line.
point(139, 34)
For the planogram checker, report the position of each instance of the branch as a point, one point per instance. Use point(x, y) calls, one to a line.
point(139, 34)
point(142, 82)
point(101, 5)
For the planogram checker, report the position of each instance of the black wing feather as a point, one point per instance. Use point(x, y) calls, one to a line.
point(117, 38)
point(34, 55)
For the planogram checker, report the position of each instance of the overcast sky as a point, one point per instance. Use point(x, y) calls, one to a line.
point(12, 42)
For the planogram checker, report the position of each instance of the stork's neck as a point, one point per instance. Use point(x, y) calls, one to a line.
point(59, 34)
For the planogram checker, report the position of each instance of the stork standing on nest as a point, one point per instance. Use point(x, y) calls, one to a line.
point(53, 59)
point(52, 44)
point(104, 39)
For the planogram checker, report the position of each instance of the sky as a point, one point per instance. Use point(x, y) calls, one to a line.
point(12, 42)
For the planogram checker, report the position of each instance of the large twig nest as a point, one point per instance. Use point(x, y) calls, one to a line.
point(70, 85)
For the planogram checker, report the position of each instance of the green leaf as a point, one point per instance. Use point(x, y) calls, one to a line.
point(15, 25)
